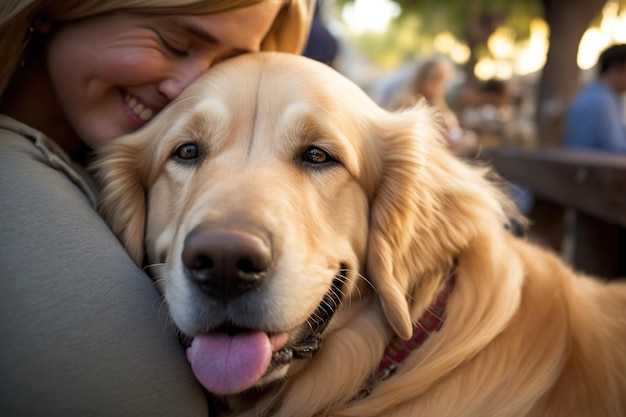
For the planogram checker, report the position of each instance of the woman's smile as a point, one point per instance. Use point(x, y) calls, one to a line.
point(139, 111)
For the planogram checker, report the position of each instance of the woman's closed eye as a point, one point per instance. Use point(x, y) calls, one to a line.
point(171, 47)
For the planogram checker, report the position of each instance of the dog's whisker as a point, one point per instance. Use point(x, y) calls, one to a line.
point(422, 327)
point(153, 265)
point(326, 304)
point(364, 278)
point(162, 304)
point(343, 296)
point(157, 279)
point(431, 311)
point(351, 278)
point(314, 318)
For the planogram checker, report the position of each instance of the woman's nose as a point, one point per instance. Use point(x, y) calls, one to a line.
point(181, 77)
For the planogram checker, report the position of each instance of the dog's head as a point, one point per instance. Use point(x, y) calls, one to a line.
point(272, 194)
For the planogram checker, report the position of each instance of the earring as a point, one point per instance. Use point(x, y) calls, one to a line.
point(26, 45)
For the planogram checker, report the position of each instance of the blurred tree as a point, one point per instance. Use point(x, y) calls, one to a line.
point(472, 20)
point(475, 20)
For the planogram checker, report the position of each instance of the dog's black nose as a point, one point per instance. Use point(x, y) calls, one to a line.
point(226, 264)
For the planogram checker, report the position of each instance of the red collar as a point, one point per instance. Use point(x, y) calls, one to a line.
point(398, 349)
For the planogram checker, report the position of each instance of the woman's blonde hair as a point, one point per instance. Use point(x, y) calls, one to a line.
point(413, 90)
point(288, 33)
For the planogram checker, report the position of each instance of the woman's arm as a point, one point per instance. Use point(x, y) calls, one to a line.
point(84, 332)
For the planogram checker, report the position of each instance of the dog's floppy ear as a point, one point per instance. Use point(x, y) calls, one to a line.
point(426, 208)
point(122, 178)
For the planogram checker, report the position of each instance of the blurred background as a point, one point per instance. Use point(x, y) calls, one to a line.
point(504, 73)
point(516, 64)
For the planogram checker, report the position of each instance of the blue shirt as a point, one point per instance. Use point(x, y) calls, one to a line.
point(595, 120)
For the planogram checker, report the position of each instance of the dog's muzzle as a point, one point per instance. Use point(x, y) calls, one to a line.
point(309, 343)
point(231, 359)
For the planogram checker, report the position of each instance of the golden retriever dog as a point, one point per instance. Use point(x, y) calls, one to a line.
point(325, 257)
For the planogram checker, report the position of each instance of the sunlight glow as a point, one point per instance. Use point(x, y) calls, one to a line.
point(590, 46)
point(525, 57)
point(533, 53)
point(369, 15)
point(511, 57)
point(502, 43)
point(612, 30)
point(446, 43)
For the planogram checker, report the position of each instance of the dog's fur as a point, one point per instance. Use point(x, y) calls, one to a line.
point(392, 210)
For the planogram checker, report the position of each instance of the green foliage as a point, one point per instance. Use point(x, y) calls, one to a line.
point(457, 16)
point(400, 43)
point(412, 32)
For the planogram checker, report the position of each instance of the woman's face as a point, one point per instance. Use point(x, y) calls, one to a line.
point(434, 84)
point(112, 73)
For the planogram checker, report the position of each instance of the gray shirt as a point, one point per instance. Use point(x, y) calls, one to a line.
point(84, 332)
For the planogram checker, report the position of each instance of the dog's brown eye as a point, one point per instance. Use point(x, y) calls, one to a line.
point(187, 151)
point(316, 156)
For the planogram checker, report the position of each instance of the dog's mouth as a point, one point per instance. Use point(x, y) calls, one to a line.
point(231, 359)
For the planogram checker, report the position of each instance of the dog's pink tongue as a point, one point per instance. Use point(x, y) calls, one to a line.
point(227, 364)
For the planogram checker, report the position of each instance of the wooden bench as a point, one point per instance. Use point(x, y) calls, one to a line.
point(580, 202)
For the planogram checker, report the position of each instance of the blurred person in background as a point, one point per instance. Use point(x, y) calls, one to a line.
point(430, 82)
point(486, 109)
point(595, 118)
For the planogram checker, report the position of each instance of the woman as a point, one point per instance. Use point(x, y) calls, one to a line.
point(429, 82)
point(84, 331)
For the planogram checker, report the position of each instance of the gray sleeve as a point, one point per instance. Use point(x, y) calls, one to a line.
point(84, 332)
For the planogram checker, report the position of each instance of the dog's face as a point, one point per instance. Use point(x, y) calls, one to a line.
point(258, 212)
point(267, 191)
